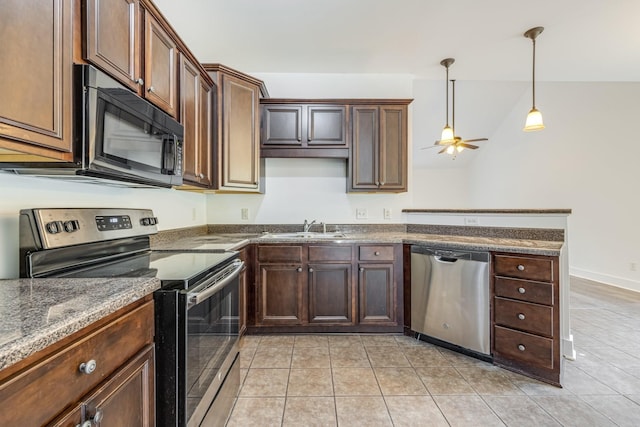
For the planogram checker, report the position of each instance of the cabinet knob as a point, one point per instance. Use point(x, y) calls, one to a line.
point(299, 269)
point(521, 316)
point(361, 269)
point(377, 184)
point(201, 175)
point(310, 270)
point(88, 367)
point(139, 81)
point(97, 418)
point(382, 183)
point(151, 89)
point(522, 290)
point(520, 267)
point(84, 424)
point(521, 347)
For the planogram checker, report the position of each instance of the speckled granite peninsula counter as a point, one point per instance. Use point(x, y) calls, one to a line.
point(35, 313)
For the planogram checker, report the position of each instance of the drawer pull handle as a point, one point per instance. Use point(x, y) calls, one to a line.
point(522, 290)
point(88, 367)
point(310, 270)
point(299, 269)
point(521, 316)
point(520, 267)
point(376, 253)
point(521, 347)
point(151, 89)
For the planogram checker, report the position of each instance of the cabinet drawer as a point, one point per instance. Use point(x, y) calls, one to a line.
point(329, 253)
point(37, 395)
point(376, 253)
point(534, 318)
point(524, 290)
point(280, 254)
point(523, 347)
point(540, 269)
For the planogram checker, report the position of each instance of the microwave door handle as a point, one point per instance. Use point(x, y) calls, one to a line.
point(168, 153)
point(198, 297)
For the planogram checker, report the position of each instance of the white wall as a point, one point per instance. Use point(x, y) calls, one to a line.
point(586, 159)
point(174, 209)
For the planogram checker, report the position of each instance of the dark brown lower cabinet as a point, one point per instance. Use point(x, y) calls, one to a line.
point(280, 294)
point(326, 287)
point(330, 293)
point(377, 293)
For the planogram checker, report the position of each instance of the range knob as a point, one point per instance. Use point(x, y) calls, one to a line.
point(152, 220)
point(54, 227)
point(71, 226)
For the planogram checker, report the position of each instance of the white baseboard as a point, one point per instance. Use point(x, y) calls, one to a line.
point(620, 282)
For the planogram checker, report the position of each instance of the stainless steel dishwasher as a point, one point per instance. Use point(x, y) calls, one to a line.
point(450, 296)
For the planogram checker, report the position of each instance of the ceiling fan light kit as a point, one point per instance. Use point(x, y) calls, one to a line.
point(452, 144)
point(534, 118)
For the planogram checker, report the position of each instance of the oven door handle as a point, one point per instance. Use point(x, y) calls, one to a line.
point(215, 283)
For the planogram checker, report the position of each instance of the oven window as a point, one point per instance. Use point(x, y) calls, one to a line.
point(212, 330)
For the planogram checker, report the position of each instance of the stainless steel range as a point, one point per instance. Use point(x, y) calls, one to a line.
point(197, 369)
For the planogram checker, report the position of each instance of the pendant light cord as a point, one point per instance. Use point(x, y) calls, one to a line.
point(446, 82)
point(453, 110)
point(533, 79)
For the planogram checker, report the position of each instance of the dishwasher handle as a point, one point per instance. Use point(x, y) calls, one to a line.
point(444, 259)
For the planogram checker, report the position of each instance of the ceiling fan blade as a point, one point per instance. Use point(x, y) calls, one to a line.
point(469, 146)
point(441, 142)
point(428, 148)
point(443, 150)
point(476, 140)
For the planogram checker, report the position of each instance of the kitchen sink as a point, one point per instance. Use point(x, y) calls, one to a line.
point(303, 235)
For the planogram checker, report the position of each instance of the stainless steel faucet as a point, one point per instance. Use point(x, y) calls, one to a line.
point(307, 225)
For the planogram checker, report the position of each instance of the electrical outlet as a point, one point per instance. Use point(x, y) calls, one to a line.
point(471, 220)
point(386, 213)
point(361, 213)
point(244, 214)
point(633, 266)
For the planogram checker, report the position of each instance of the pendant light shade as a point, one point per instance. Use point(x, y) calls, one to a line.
point(447, 134)
point(534, 118)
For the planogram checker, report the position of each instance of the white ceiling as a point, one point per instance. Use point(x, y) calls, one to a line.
point(584, 40)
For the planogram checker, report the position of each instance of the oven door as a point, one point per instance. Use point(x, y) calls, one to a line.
point(196, 355)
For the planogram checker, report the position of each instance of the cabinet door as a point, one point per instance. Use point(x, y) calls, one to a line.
point(127, 398)
point(364, 155)
point(195, 115)
point(240, 135)
point(112, 39)
point(281, 125)
point(330, 295)
point(393, 148)
point(280, 294)
point(326, 126)
point(36, 84)
point(160, 66)
point(376, 293)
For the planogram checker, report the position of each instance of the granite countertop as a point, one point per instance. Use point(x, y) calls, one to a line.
point(35, 313)
point(231, 241)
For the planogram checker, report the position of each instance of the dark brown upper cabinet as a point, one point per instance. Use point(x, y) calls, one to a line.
point(129, 42)
point(36, 86)
point(303, 129)
point(378, 148)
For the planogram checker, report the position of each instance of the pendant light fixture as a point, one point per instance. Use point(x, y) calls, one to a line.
point(534, 118)
point(447, 133)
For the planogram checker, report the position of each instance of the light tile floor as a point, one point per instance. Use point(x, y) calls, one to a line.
point(392, 380)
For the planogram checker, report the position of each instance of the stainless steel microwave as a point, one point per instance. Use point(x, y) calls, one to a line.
point(119, 138)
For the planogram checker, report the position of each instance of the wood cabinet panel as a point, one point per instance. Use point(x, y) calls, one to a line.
point(160, 72)
point(280, 253)
point(112, 39)
point(525, 348)
point(376, 293)
point(330, 253)
point(128, 398)
point(524, 290)
point(330, 293)
point(534, 318)
point(326, 126)
point(393, 148)
point(281, 296)
point(376, 253)
point(365, 150)
point(540, 269)
point(36, 50)
point(281, 125)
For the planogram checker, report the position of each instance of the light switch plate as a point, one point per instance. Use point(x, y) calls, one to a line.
point(387, 213)
point(244, 214)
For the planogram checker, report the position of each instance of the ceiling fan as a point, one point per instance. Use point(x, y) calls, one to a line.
point(451, 143)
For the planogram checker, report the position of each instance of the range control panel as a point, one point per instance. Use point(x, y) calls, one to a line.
point(65, 227)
